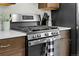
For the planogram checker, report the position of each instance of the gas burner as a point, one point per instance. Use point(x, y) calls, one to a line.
point(35, 32)
point(41, 28)
point(34, 28)
point(42, 32)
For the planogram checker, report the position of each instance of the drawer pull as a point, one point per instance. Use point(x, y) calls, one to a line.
point(5, 46)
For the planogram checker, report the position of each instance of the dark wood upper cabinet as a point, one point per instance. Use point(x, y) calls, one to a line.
point(7, 4)
point(48, 6)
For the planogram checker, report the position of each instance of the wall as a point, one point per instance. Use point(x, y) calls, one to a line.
point(25, 8)
point(2, 9)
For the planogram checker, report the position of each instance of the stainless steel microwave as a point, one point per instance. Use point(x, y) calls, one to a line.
point(24, 18)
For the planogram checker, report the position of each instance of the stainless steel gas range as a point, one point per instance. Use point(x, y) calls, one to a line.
point(37, 38)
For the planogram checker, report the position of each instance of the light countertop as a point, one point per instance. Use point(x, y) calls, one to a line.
point(11, 34)
point(14, 33)
point(64, 28)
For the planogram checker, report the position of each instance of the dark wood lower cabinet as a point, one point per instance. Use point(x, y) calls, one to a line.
point(15, 52)
point(64, 43)
point(12, 47)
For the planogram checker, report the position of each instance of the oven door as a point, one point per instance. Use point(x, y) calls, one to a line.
point(35, 50)
point(35, 47)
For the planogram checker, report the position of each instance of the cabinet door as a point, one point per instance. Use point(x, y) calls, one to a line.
point(14, 52)
point(65, 34)
point(48, 6)
point(18, 52)
point(53, 5)
point(42, 5)
point(61, 47)
point(64, 47)
point(7, 46)
point(7, 4)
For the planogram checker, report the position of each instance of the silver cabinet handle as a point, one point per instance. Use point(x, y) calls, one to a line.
point(5, 46)
point(77, 27)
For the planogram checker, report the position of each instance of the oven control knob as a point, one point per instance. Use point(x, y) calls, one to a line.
point(52, 33)
point(57, 33)
point(29, 44)
point(38, 35)
point(46, 34)
point(34, 36)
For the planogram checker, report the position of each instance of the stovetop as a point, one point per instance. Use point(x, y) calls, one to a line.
point(35, 28)
point(35, 32)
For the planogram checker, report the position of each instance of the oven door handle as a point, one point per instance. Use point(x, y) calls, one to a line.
point(39, 41)
point(36, 42)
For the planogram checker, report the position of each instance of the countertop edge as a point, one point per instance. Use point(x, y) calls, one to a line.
point(11, 34)
point(15, 33)
point(64, 28)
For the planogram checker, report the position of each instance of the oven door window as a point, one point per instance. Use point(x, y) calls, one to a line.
point(34, 50)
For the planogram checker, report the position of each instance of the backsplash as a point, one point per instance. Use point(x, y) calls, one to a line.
point(26, 8)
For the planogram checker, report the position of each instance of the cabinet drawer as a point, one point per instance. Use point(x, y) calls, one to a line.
point(14, 52)
point(65, 34)
point(64, 46)
point(8, 44)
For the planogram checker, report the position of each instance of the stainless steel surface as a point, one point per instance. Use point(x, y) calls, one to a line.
point(24, 18)
point(42, 35)
point(38, 35)
point(77, 27)
point(36, 42)
point(16, 17)
point(42, 40)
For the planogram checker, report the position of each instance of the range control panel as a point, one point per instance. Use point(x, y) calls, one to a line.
point(41, 35)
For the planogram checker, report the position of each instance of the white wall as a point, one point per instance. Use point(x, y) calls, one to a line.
point(2, 9)
point(25, 8)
